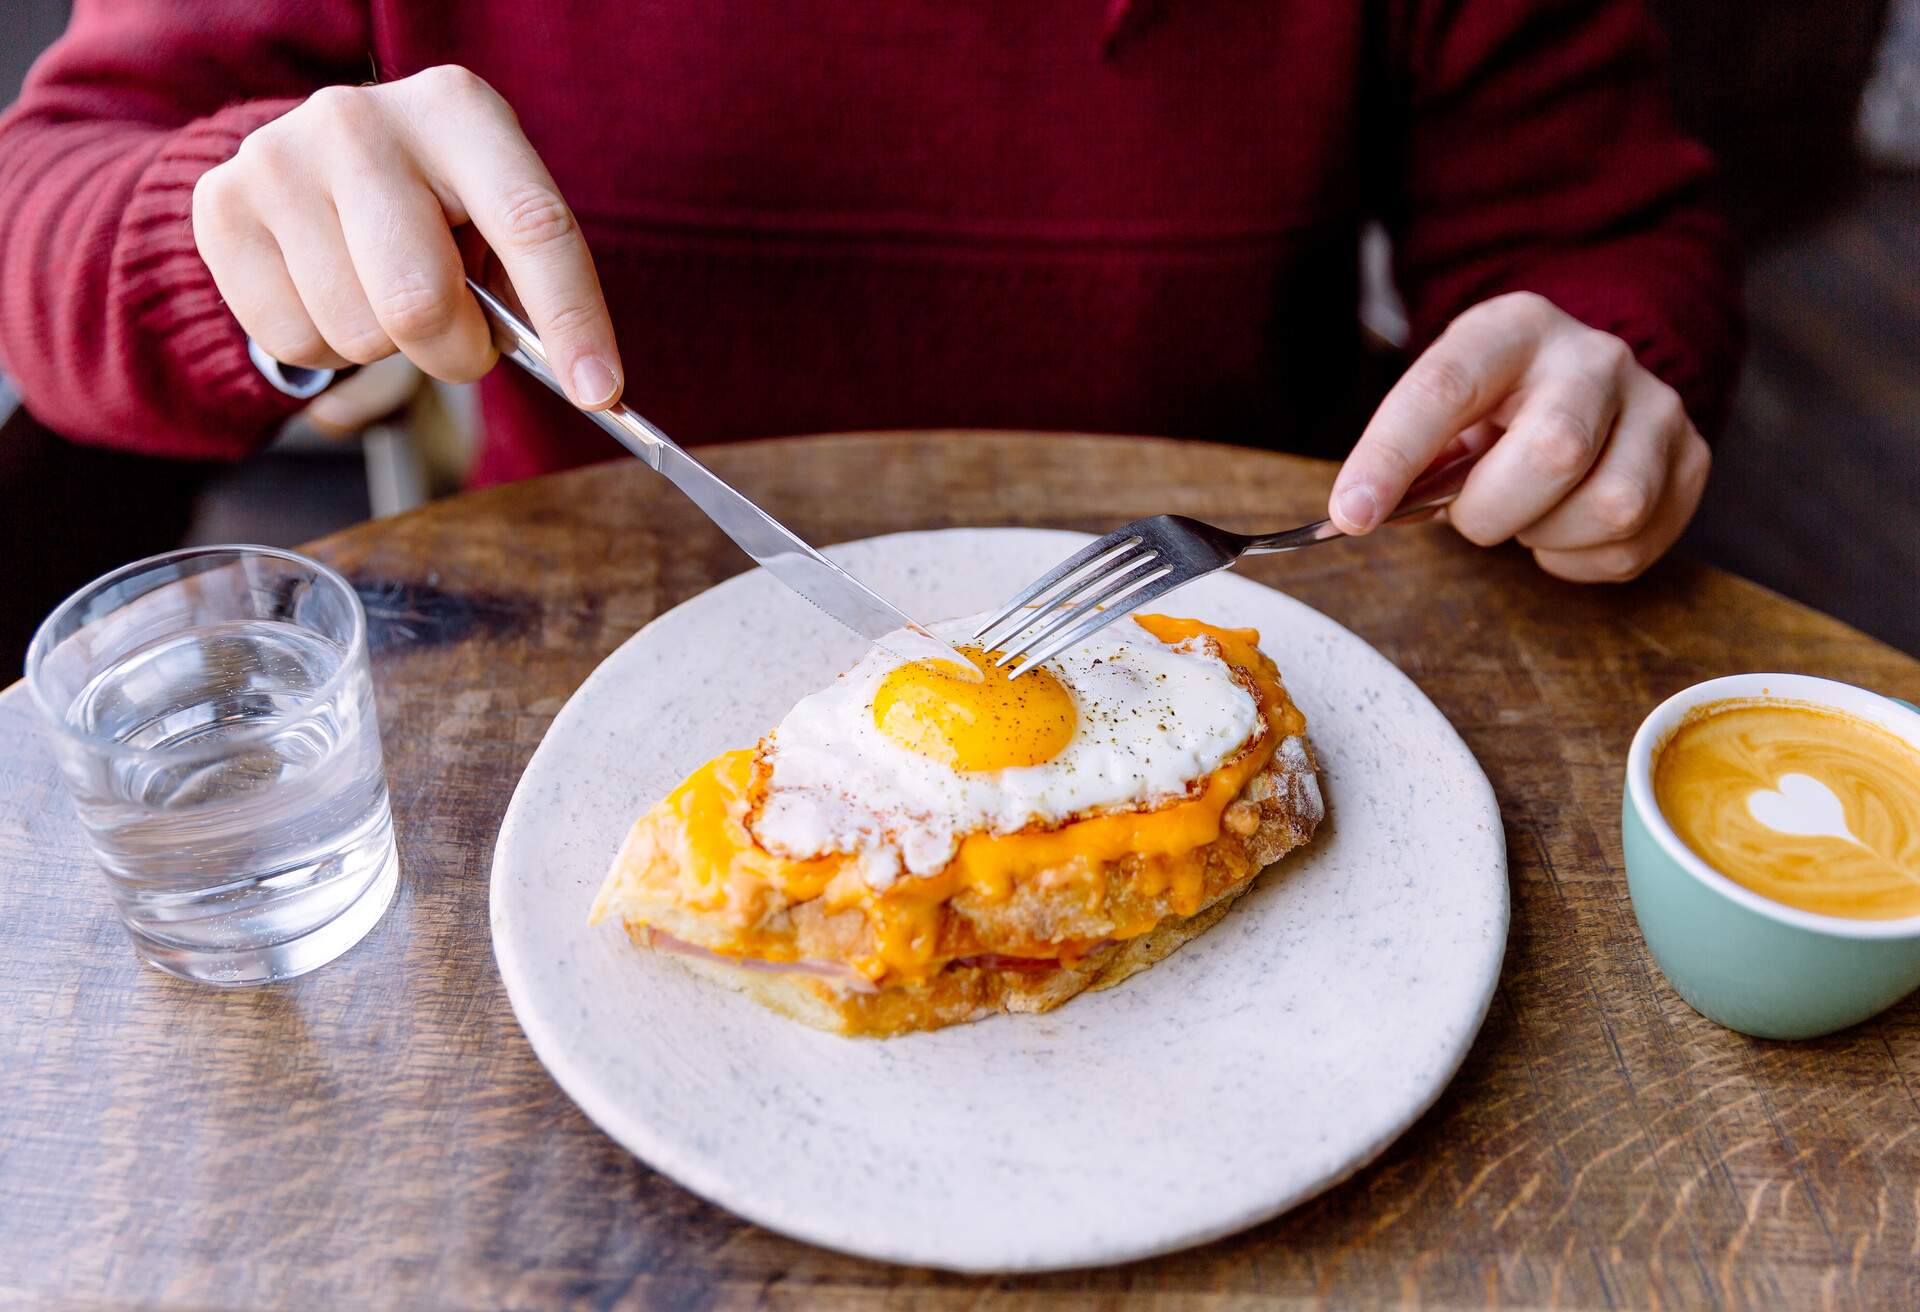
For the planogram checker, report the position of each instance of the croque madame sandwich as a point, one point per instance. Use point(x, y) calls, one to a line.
point(911, 849)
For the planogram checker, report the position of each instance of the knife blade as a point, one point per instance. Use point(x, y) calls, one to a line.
point(774, 547)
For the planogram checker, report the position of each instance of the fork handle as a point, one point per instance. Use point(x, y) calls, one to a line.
point(1432, 490)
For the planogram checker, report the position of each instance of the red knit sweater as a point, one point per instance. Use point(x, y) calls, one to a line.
point(838, 214)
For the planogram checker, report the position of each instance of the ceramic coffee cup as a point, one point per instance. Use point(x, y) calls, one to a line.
point(1745, 961)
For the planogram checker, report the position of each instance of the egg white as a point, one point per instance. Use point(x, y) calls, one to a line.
point(1153, 718)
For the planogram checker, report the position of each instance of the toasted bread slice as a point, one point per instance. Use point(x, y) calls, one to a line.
point(1277, 811)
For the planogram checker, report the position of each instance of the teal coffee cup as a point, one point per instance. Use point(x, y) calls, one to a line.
point(1745, 961)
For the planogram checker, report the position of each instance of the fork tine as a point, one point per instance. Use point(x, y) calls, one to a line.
point(1125, 582)
point(1038, 623)
point(1100, 549)
point(1071, 593)
point(1101, 618)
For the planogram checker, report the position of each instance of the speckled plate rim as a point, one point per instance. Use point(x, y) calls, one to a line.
point(673, 1158)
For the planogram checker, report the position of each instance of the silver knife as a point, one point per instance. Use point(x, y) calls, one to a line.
point(777, 548)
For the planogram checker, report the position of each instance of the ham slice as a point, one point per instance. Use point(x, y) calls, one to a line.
point(1025, 965)
point(1021, 965)
point(845, 976)
point(836, 972)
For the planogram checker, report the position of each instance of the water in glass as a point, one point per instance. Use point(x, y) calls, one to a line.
point(229, 777)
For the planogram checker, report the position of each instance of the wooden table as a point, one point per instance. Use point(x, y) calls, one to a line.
point(379, 1133)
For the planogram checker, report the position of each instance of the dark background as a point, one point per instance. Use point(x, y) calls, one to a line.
point(1816, 490)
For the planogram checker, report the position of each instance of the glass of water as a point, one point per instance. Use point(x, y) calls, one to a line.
point(212, 710)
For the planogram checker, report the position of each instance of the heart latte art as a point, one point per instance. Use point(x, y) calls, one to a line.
point(1811, 807)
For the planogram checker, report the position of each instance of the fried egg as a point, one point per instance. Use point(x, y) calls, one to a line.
point(896, 763)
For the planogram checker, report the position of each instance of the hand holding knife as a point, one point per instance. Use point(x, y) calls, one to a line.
point(772, 545)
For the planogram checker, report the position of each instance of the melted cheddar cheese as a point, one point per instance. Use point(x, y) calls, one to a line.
point(695, 850)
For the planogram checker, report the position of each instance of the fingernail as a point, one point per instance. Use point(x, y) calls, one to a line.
point(593, 382)
point(1359, 507)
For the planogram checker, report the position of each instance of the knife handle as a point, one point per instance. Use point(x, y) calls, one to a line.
point(519, 343)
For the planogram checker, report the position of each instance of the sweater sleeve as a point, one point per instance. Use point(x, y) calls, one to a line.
point(110, 323)
point(1538, 153)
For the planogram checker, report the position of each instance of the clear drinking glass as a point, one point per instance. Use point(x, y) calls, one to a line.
point(212, 710)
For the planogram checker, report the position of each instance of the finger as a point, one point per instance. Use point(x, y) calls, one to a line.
point(1616, 562)
point(347, 407)
point(1473, 441)
point(497, 180)
point(1618, 498)
point(409, 269)
point(1458, 381)
point(1555, 436)
point(317, 260)
point(252, 278)
point(1444, 471)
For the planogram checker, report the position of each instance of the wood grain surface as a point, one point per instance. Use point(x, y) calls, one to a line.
point(379, 1134)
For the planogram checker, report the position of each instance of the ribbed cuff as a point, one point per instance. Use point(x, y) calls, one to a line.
point(171, 296)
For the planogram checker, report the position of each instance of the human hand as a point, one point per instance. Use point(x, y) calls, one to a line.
point(330, 233)
point(360, 399)
point(1590, 461)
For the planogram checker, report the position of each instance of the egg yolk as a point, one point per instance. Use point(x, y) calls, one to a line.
point(989, 722)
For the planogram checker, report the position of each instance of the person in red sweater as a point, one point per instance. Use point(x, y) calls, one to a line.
point(1119, 215)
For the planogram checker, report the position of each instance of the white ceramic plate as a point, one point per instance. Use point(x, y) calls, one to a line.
point(1268, 1059)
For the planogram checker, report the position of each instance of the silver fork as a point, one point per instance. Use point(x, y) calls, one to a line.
point(1140, 562)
